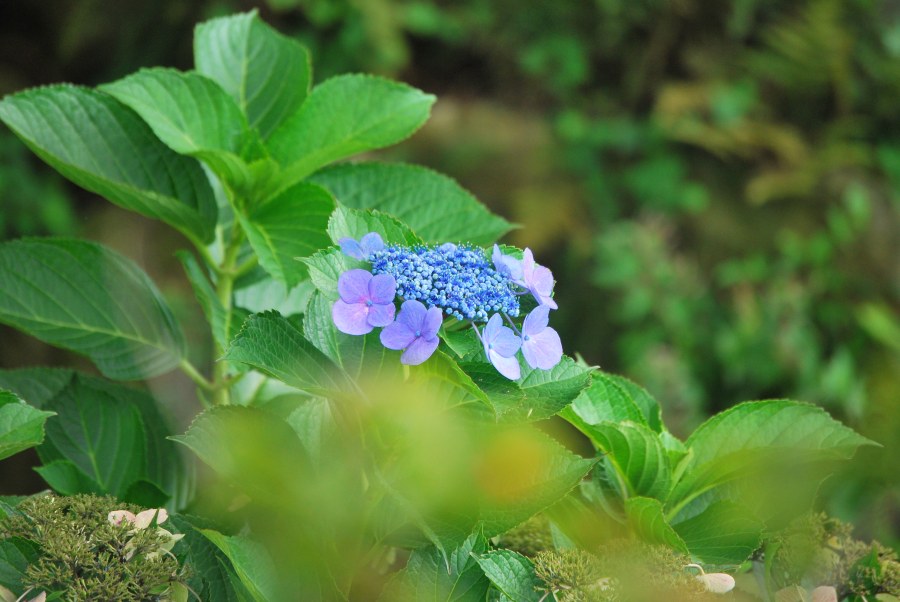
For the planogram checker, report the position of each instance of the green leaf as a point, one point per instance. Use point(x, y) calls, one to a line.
point(87, 298)
point(289, 227)
point(98, 433)
point(269, 293)
point(345, 116)
point(271, 344)
point(724, 533)
point(429, 578)
point(36, 386)
point(605, 400)
point(647, 520)
point(555, 473)
point(105, 148)
point(642, 399)
point(251, 448)
point(65, 478)
point(21, 426)
point(759, 436)
point(211, 571)
point(537, 395)
point(266, 73)
point(512, 574)
point(355, 223)
point(16, 554)
point(326, 267)
point(435, 206)
point(251, 562)
point(635, 452)
point(193, 116)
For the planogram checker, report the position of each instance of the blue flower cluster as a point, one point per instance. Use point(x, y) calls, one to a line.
point(457, 278)
point(454, 279)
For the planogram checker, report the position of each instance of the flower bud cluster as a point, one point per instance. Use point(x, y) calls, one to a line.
point(456, 278)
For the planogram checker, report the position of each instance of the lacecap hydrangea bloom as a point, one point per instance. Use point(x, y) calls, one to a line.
point(448, 281)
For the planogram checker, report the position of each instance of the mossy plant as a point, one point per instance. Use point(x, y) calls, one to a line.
point(83, 556)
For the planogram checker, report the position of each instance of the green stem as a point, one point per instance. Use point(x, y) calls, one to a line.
point(224, 290)
point(194, 374)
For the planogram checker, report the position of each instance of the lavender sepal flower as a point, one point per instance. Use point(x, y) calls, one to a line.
point(368, 244)
point(414, 332)
point(538, 280)
point(500, 346)
point(541, 345)
point(366, 301)
point(507, 265)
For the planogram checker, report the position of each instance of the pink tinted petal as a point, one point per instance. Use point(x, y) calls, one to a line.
point(543, 350)
point(420, 350)
point(351, 318)
point(382, 289)
point(353, 286)
point(117, 517)
point(506, 343)
point(145, 518)
point(397, 335)
point(412, 314)
point(507, 366)
point(549, 302)
point(432, 322)
point(536, 321)
point(381, 314)
point(527, 266)
point(371, 243)
point(351, 248)
point(542, 281)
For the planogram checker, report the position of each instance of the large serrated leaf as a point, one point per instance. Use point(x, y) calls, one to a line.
point(512, 574)
point(251, 562)
point(289, 227)
point(16, 554)
point(325, 269)
point(84, 297)
point(635, 452)
point(271, 344)
point(724, 533)
point(429, 578)
point(356, 223)
point(344, 116)
point(102, 146)
point(211, 572)
point(435, 206)
point(21, 426)
point(193, 116)
point(646, 519)
point(604, 400)
point(751, 436)
point(266, 73)
point(537, 395)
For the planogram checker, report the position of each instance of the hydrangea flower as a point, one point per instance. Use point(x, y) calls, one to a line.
point(415, 332)
point(368, 244)
point(448, 280)
point(540, 343)
point(366, 301)
point(500, 346)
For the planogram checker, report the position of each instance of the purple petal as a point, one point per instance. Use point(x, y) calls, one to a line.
point(371, 243)
point(507, 366)
point(420, 350)
point(507, 266)
point(543, 350)
point(381, 314)
point(397, 336)
point(506, 343)
point(491, 329)
point(536, 321)
point(542, 281)
point(412, 314)
point(447, 247)
point(432, 322)
point(351, 248)
point(353, 286)
point(549, 302)
point(527, 266)
point(351, 318)
point(382, 289)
